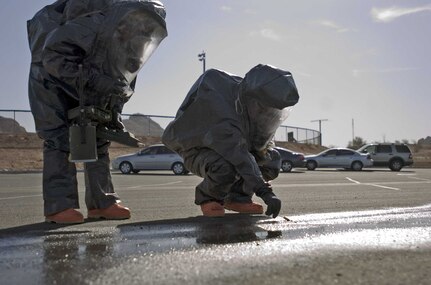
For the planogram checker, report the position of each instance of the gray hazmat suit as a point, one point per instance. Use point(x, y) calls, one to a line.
point(224, 131)
point(111, 40)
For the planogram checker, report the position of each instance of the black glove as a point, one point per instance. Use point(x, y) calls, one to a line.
point(116, 123)
point(107, 85)
point(273, 203)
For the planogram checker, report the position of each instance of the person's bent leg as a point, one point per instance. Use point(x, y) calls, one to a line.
point(219, 176)
point(241, 202)
point(100, 197)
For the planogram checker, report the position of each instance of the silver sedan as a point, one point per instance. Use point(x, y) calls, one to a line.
point(339, 158)
point(155, 157)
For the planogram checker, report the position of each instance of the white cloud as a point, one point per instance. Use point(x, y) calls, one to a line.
point(390, 14)
point(332, 25)
point(270, 34)
point(302, 73)
point(267, 33)
point(358, 72)
point(226, 8)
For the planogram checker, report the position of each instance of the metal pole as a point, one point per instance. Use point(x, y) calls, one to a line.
point(204, 67)
point(13, 123)
point(202, 57)
point(320, 128)
point(149, 126)
point(353, 130)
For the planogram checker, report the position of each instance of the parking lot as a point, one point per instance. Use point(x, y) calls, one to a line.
point(335, 226)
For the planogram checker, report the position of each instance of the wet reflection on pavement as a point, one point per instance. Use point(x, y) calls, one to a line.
point(164, 250)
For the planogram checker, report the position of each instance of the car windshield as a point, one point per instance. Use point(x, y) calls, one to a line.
point(368, 149)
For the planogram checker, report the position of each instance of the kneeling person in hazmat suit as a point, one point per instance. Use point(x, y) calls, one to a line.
point(86, 53)
point(224, 131)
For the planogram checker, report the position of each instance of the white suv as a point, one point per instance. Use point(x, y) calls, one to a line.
point(395, 156)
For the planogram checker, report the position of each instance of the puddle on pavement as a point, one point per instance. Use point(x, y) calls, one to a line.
point(67, 253)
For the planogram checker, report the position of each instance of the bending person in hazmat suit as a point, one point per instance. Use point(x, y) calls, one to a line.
point(224, 131)
point(88, 50)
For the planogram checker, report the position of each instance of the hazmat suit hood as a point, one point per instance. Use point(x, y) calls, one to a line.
point(78, 8)
point(56, 14)
point(43, 22)
point(130, 34)
point(266, 97)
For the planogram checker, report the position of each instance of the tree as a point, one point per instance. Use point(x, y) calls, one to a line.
point(356, 143)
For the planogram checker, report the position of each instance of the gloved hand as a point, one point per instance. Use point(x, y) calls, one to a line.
point(273, 203)
point(108, 86)
point(116, 123)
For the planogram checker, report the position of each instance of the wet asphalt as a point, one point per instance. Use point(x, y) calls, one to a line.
point(335, 227)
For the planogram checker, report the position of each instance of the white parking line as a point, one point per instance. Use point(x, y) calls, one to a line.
point(422, 179)
point(19, 197)
point(153, 185)
point(128, 188)
point(354, 181)
point(372, 184)
point(170, 185)
point(381, 186)
point(350, 184)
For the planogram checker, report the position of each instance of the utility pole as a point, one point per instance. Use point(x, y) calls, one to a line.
point(320, 128)
point(353, 130)
point(202, 57)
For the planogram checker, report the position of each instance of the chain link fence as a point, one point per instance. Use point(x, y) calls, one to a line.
point(21, 121)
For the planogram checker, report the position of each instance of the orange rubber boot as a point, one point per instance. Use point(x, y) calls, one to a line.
point(212, 209)
point(244, 208)
point(113, 212)
point(68, 216)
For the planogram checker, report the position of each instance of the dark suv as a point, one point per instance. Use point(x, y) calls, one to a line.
point(395, 156)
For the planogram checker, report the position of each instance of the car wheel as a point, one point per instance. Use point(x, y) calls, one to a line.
point(126, 167)
point(396, 164)
point(311, 165)
point(178, 168)
point(286, 166)
point(357, 166)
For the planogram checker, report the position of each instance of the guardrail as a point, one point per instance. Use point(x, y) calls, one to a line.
point(22, 121)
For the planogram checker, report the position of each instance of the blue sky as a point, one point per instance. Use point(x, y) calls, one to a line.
point(365, 60)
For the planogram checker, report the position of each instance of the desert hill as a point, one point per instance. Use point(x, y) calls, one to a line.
point(426, 141)
point(141, 125)
point(8, 126)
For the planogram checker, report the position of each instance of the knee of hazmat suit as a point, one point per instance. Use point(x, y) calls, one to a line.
point(111, 39)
